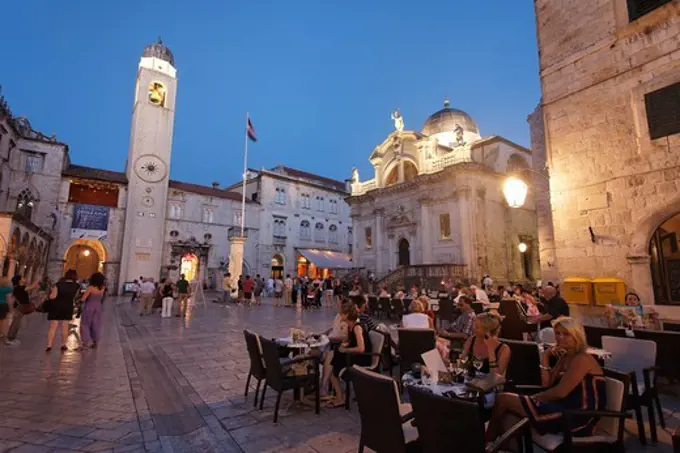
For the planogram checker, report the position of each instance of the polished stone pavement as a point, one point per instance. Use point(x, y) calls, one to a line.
point(171, 385)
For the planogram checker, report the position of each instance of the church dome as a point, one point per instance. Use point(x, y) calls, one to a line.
point(160, 51)
point(446, 120)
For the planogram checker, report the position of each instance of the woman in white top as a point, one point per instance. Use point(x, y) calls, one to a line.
point(417, 319)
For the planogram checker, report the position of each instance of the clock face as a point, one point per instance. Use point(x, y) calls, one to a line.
point(147, 201)
point(151, 168)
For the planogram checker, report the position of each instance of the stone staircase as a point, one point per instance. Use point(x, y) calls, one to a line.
point(424, 275)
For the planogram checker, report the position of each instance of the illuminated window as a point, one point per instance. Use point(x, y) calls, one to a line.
point(305, 230)
point(369, 238)
point(157, 94)
point(444, 226)
point(25, 203)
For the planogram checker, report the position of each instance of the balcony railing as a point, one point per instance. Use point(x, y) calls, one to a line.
point(279, 240)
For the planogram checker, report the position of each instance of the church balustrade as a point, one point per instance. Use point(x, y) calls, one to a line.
point(360, 188)
point(424, 275)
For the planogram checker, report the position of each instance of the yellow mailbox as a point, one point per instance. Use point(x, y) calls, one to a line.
point(609, 290)
point(577, 290)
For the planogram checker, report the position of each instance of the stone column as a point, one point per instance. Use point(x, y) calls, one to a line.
point(378, 233)
point(467, 238)
point(642, 277)
point(236, 246)
point(425, 234)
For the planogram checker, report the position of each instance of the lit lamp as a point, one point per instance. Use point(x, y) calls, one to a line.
point(86, 252)
point(522, 247)
point(515, 191)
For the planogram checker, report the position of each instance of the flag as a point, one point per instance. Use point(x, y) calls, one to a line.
point(251, 131)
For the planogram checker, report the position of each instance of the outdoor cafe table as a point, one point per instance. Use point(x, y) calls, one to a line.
point(307, 343)
point(460, 390)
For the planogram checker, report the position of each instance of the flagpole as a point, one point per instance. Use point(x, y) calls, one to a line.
point(245, 169)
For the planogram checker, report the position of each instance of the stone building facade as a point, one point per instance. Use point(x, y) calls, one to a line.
point(305, 222)
point(610, 77)
point(436, 198)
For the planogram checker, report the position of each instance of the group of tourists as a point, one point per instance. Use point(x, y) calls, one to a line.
point(287, 292)
point(160, 297)
point(62, 302)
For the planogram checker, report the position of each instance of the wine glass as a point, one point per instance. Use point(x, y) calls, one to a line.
point(477, 363)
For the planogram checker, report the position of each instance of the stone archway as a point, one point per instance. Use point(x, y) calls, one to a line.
point(86, 256)
point(277, 265)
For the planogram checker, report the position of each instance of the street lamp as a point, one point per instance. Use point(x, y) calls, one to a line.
point(515, 191)
point(522, 247)
point(86, 252)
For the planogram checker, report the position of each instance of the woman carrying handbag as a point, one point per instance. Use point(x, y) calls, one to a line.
point(60, 307)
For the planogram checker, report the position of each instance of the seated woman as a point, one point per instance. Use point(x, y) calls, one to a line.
point(383, 292)
point(575, 382)
point(633, 315)
point(358, 341)
point(484, 344)
point(337, 334)
point(529, 303)
point(417, 319)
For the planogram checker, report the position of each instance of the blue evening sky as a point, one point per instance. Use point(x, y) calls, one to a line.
point(320, 78)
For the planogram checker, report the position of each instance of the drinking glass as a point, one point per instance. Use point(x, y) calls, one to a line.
point(478, 363)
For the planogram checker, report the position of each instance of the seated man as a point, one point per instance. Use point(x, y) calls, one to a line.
point(463, 326)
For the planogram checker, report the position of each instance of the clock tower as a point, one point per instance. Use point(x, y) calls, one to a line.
point(148, 163)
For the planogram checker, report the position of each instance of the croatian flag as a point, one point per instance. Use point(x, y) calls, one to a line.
point(251, 131)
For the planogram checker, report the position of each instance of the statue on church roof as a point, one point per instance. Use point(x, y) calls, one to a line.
point(355, 175)
point(458, 130)
point(398, 120)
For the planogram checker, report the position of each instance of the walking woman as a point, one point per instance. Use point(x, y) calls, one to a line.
point(60, 307)
point(22, 306)
point(91, 320)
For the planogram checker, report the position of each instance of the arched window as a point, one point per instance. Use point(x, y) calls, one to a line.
point(319, 234)
point(305, 230)
point(393, 176)
point(25, 203)
point(280, 228)
point(333, 234)
point(410, 171)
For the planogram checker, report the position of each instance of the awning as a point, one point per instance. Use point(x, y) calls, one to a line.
point(327, 259)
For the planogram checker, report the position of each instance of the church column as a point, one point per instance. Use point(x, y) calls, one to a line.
point(378, 233)
point(467, 242)
point(425, 234)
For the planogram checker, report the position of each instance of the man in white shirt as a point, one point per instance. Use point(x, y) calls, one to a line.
point(278, 291)
point(147, 290)
point(480, 295)
point(287, 291)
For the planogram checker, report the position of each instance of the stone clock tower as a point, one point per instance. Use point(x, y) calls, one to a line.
point(148, 163)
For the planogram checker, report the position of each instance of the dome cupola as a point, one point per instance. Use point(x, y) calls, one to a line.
point(160, 51)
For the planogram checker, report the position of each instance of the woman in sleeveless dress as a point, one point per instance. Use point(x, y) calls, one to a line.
point(359, 341)
point(91, 320)
point(60, 307)
point(485, 346)
point(576, 382)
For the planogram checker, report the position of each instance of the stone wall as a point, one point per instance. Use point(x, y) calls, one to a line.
point(605, 171)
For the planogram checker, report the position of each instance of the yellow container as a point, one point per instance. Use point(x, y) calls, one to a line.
point(577, 290)
point(609, 290)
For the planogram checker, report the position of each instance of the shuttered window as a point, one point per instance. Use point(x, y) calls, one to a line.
point(663, 111)
point(638, 8)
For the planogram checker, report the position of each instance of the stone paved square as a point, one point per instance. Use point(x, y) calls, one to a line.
point(172, 385)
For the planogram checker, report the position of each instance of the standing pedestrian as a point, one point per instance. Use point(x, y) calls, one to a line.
point(146, 291)
point(22, 307)
point(60, 307)
point(5, 290)
point(167, 291)
point(295, 291)
point(287, 291)
point(259, 286)
point(248, 287)
point(239, 285)
point(278, 291)
point(183, 293)
point(270, 286)
point(91, 319)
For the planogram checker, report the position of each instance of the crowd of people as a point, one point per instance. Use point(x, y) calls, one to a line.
point(287, 292)
point(61, 302)
point(160, 297)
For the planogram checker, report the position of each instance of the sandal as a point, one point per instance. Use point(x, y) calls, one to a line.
point(334, 404)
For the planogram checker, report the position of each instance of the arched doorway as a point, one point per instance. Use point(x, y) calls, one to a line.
point(665, 261)
point(404, 253)
point(277, 266)
point(86, 256)
point(189, 266)
point(84, 259)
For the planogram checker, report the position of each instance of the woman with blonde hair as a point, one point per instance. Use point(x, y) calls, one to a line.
point(417, 319)
point(484, 344)
point(575, 382)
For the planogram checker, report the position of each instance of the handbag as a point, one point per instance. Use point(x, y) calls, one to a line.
point(44, 307)
point(26, 309)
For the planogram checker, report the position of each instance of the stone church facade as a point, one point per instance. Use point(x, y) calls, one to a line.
point(56, 215)
point(610, 123)
point(436, 198)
